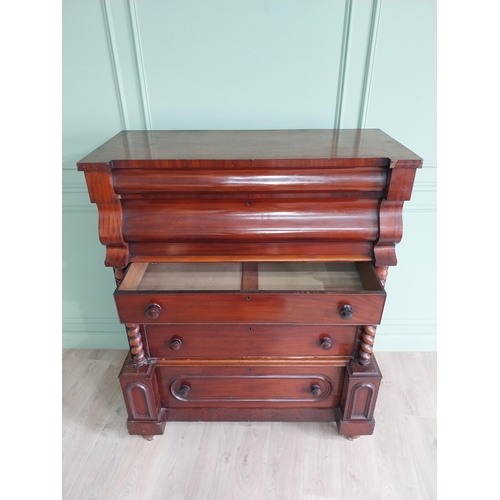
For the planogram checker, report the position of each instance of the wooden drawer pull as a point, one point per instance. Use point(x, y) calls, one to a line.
point(325, 342)
point(184, 391)
point(315, 390)
point(153, 311)
point(175, 343)
point(346, 311)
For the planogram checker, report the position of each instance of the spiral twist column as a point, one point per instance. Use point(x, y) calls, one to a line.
point(135, 343)
point(366, 344)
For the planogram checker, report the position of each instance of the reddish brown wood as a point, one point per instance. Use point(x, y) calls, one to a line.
point(195, 149)
point(230, 340)
point(354, 416)
point(119, 274)
point(109, 207)
point(250, 196)
point(146, 416)
point(136, 345)
point(248, 307)
point(366, 345)
point(216, 251)
point(282, 414)
point(248, 386)
point(229, 220)
point(382, 273)
point(344, 180)
point(250, 276)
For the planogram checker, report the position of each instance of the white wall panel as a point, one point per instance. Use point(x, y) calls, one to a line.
point(402, 94)
point(91, 111)
point(246, 64)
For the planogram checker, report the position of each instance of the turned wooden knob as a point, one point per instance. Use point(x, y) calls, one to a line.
point(315, 390)
point(325, 342)
point(184, 391)
point(346, 311)
point(175, 344)
point(153, 311)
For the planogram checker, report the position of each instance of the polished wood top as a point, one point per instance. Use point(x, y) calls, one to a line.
point(164, 148)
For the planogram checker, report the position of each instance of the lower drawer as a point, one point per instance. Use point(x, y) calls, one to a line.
point(250, 386)
point(186, 341)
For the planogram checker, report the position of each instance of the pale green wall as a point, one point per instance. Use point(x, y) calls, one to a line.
point(248, 64)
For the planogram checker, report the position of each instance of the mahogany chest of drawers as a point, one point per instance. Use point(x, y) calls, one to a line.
point(250, 270)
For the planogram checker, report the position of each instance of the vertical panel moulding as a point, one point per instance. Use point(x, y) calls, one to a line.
point(115, 60)
point(138, 400)
point(361, 407)
point(141, 71)
point(370, 57)
point(343, 63)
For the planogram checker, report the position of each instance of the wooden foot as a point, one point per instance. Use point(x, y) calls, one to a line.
point(148, 437)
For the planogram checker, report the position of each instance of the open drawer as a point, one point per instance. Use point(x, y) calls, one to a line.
point(251, 292)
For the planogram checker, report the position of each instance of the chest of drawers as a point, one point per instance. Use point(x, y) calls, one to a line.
point(250, 270)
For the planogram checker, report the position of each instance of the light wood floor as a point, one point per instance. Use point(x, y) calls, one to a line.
point(261, 461)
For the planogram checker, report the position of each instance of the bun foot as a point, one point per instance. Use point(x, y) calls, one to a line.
point(148, 437)
point(351, 438)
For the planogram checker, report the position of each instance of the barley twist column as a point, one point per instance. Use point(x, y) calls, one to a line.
point(366, 344)
point(136, 346)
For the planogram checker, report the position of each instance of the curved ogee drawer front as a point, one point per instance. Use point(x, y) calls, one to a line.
point(241, 386)
point(163, 182)
point(177, 341)
point(180, 221)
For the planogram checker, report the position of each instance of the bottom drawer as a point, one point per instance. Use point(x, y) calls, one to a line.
point(250, 386)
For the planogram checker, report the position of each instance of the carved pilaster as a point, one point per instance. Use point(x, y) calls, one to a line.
point(136, 345)
point(366, 344)
point(146, 417)
point(354, 417)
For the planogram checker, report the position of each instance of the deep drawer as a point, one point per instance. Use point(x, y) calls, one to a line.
point(212, 341)
point(248, 385)
point(276, 292)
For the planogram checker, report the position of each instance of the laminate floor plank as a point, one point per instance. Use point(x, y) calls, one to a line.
point(358, 469)
point(422, 441)
point(88, 407)
point(247, 460)
point(211, 461)
point(322, 461)
point(284, 477)
point(249, 463)
point(171, 462)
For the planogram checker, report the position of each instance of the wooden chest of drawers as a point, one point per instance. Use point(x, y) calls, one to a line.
point(250, 270)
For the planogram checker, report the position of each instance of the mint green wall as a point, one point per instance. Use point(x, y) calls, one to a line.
point(248, 64)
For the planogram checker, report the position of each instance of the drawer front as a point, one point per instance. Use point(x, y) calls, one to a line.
point(248, 307)
point(250, 386)
point(211, 341)
point(331, 219)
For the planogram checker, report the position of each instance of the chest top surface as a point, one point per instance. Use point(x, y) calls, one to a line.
point(320, 144)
